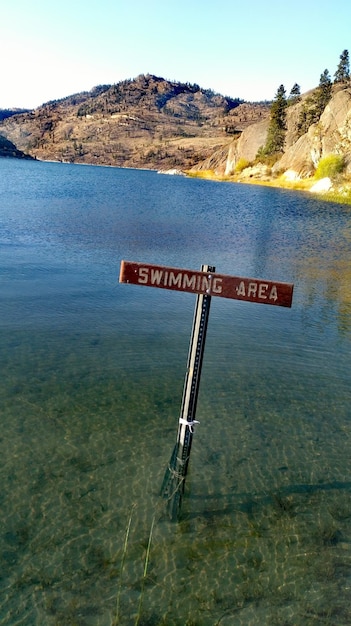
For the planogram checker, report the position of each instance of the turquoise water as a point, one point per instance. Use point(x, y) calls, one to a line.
point(90, 390)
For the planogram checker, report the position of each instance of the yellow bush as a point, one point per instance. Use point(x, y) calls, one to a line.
point(330, 166)
point(241, 165)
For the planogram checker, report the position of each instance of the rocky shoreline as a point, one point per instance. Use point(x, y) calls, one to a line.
point(324, 188)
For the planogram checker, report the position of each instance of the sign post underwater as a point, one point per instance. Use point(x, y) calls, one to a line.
point(205, 283)
point(174, 480)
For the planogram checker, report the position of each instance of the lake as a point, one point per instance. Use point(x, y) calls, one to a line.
point(91, 383)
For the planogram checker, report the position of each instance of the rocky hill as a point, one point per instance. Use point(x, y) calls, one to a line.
point(147, 122)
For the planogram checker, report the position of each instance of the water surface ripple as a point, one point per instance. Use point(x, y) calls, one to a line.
point(90, 389)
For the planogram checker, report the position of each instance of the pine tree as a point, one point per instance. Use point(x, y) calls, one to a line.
point(342, 74)
point(277, 126)
point(324, 91)
point(315, 104)
point(295, 94)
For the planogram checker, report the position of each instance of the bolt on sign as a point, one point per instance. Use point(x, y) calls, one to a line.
point(207, 283)
point(204, 283)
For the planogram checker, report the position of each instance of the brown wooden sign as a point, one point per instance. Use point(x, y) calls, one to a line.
point(213, 284)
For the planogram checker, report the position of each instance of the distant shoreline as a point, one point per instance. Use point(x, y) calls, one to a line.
point(339, 194)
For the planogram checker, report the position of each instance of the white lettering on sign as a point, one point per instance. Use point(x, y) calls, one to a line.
point(217, 285)
point(143, 275)
point(180, 280)
point(261, 291)
point(189, 281)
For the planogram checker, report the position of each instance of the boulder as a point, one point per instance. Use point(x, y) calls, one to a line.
point(258, 171)
point(291, 176)
point(322, 185)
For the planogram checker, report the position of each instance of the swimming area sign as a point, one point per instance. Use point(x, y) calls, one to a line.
point(207, 283)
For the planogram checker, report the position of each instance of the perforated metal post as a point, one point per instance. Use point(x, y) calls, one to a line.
point(174, 480)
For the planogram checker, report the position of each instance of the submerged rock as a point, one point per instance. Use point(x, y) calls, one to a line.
point(172, 172)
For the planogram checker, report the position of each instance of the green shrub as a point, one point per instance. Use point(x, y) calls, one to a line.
point(266, 158)
point(330, 166)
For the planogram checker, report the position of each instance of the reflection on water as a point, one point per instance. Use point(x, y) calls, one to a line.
point(90, 391)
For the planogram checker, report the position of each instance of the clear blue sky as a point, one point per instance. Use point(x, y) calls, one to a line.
point(247, 48)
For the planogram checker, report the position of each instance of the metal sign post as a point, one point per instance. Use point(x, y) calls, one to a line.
point(204, 283)
point(174, 480)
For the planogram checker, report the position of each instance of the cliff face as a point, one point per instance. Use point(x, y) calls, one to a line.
point(247, 146)
point(331, 135)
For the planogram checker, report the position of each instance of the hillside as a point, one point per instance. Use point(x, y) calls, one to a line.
point(148, 122)
point(153, 123)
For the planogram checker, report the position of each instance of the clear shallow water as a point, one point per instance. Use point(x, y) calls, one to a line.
point(90, 390)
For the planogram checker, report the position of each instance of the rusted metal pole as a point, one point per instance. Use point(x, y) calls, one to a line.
point(174, 479)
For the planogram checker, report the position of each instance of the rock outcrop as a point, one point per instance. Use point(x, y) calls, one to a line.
point(247, 146)
point(8, 149)
point(331, 135)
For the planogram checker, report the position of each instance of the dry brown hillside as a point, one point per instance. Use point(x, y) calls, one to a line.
point(147, 122)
